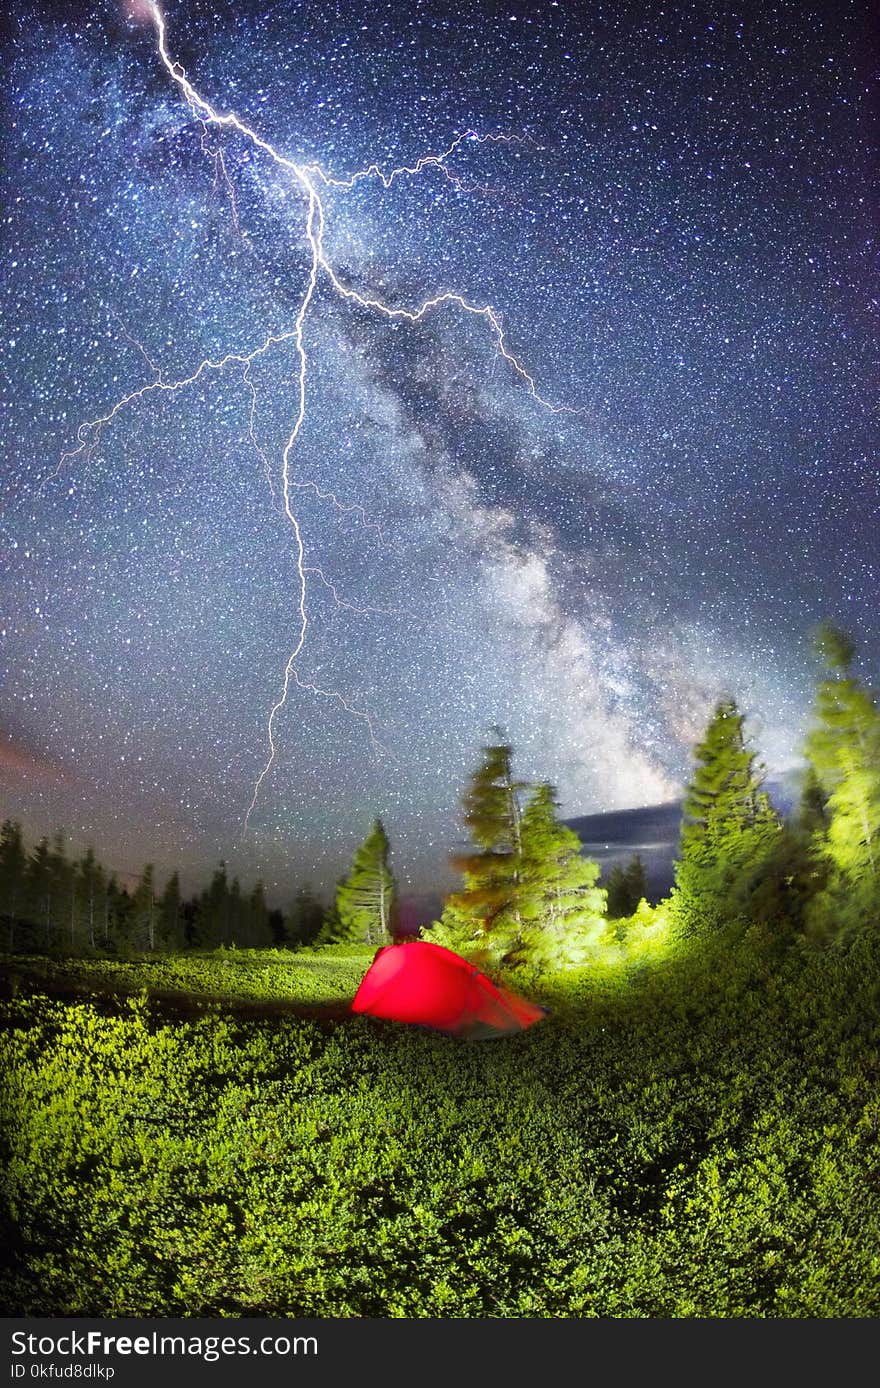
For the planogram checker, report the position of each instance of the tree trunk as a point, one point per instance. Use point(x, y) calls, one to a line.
point(382, 908)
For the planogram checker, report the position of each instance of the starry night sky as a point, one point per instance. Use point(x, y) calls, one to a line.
point(682, 248)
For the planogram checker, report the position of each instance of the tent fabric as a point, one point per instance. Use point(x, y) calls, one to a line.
point(427, 985)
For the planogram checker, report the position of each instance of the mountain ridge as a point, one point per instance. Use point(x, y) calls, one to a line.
point(611, 837)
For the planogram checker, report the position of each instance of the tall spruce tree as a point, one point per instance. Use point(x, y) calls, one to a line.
point(365, 898)
point(728, 824)
point(13, 865)
point(561, 908)
point(259, 935)
point(62, 875)
point(305, 919)
point(39, 882)
point(843, 750)
point(626, 887)
point(171, 922)
point(211, 919)
point(489, 902)
point(90, 876)
point(144, 912)
point(331, 931)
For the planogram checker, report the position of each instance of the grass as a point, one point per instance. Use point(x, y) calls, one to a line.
point(227, 977)
point(694, 1139)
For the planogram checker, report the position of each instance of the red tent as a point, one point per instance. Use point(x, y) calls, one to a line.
point(430, 986)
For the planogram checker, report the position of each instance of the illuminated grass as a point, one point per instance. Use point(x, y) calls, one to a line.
point(224, 976)
point(698, 1139)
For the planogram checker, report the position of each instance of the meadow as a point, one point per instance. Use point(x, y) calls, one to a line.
point(695, 1135)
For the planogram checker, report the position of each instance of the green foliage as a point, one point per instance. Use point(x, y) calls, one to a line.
point(728, 825)
point(697, 1140)
point(489, 901)
point(691, 1132)
point(561, 908)
point(626, 887)
point(455, 930)
point(365, 898)
point(843, 748)
point(230, 976)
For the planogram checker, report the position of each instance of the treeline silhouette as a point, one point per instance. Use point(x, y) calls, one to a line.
point(54, 903)
point(528, 895)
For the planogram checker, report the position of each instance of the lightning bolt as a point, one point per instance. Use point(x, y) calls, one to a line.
point(309, 179)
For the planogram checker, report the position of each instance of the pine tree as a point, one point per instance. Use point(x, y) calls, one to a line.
point(60, 919)
point(636, 880)
point(211, 923)
point(728, 825)
point(365, 898)
point(117, 916)
point(812, 811)
point(561, 908)
point(843, 749)
point(779, 888)
point(331, 931)
point(236, 926)
point(171, 914)
point(259, 933)
point(143, 911)
point(305, 919)
point(77, 909)
point(489, 903)
point(13, 865)
point(90, 876)
point(626, 887)
point(38, 885)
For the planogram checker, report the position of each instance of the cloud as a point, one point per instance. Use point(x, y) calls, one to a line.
point(20, 762)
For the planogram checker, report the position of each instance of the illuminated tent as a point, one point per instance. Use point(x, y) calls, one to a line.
point(427, 985)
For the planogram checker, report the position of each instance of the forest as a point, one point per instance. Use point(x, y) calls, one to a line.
point(691, 1131)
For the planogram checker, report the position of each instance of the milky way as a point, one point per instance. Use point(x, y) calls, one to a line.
point(680, 246)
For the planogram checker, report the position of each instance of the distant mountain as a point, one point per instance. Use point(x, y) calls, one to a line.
point(652, 831)
point(613, 837)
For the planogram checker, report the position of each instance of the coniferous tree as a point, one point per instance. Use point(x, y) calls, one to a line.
point(235, 917)
point(728, 825)
point(812, 811)
point(843, 748)
point(627, 886)
point(636, 880)
point(13, 866)
point(489, 902)
point(76, 909)
point(59, 916)
point(365, 898)
point(780, 888)
point(211, 923)
point(89, 875)
point(142, 933)
point(561, 908)
point(117, 916)
point(276, 926)
point(618, 899)
point(332, 930)
point(39, 884)
point(305, 919)
point(259, 933)
point(170, 914)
